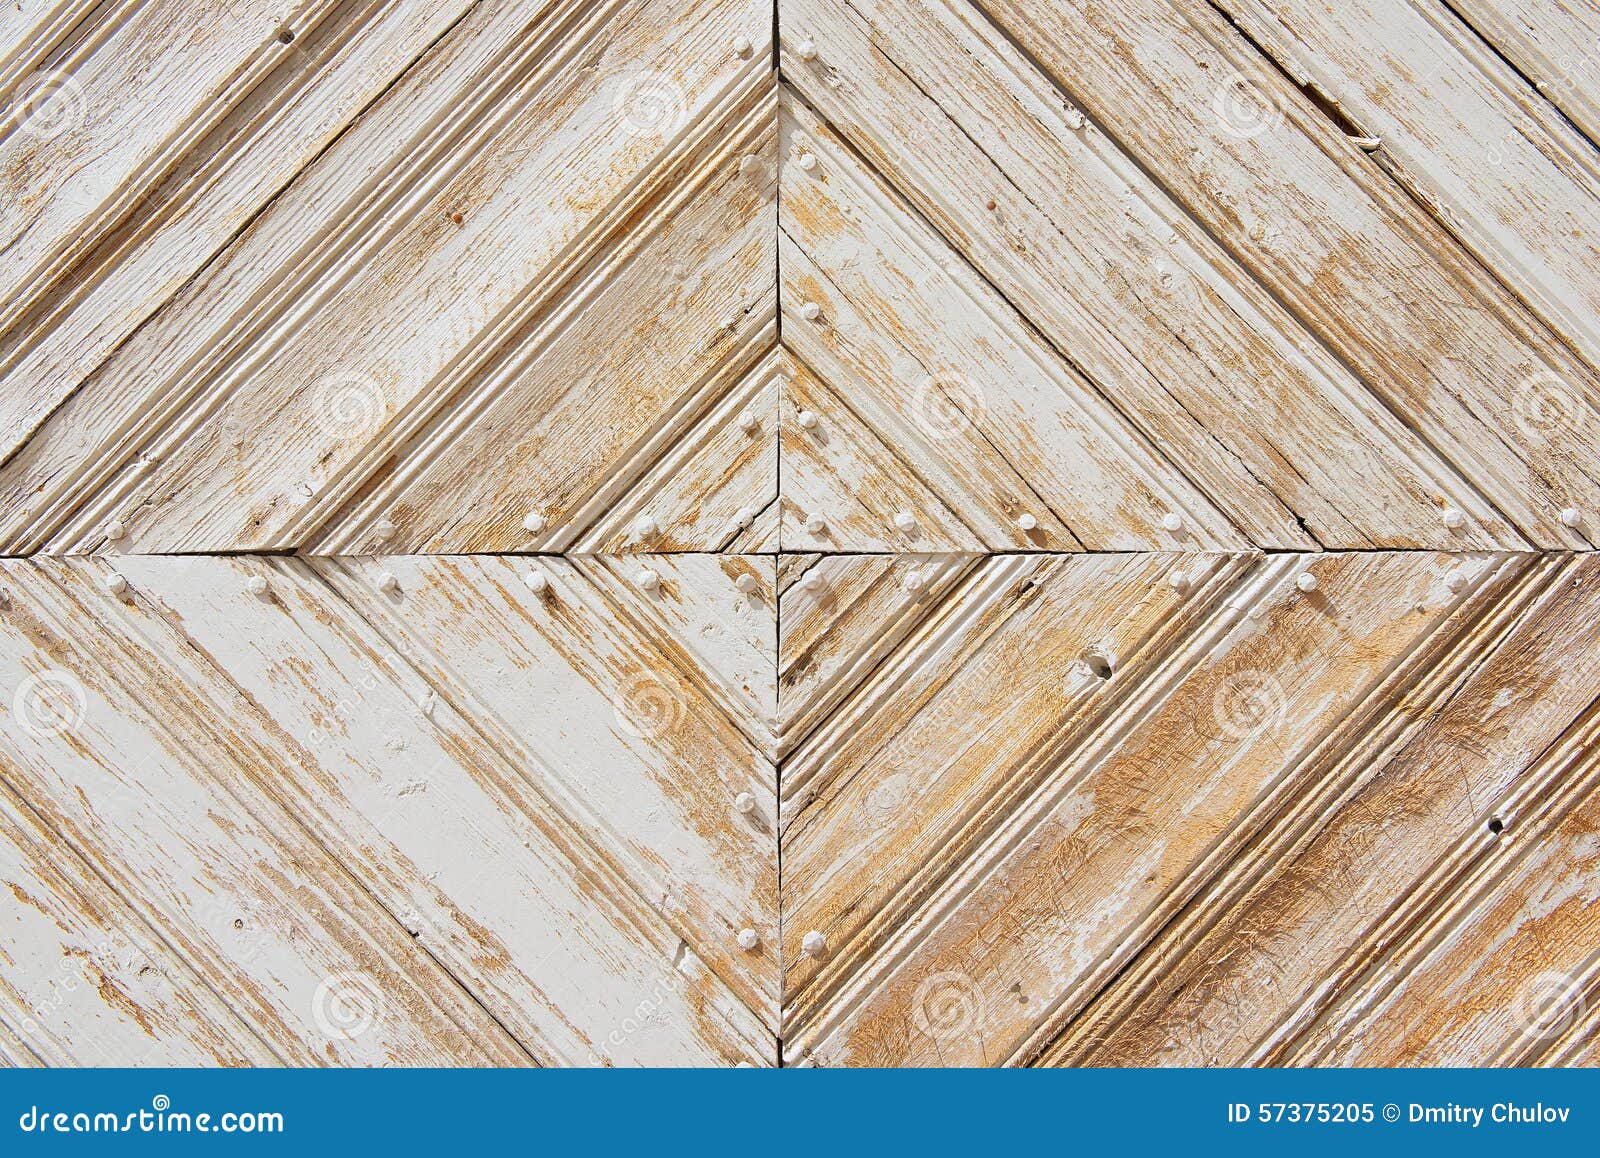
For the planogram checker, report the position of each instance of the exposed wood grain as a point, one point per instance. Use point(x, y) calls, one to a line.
point(1555, 44)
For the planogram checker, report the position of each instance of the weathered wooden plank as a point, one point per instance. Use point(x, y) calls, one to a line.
point(332, 72)
point(1307, 212)
point(1555, 44)
point(137, 765)
point(1201, 358)
point(936, 363)
point(1462, 131)
point(561, 911)
point(1293, 921)
point(1122, 816)
point(637, 360)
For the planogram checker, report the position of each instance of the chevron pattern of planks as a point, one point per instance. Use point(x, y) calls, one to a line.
point(857, 533)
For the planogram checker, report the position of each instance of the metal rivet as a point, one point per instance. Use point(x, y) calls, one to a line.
point(646, 527)
point(741, 45)
point(749, 423)
point(747, 583)
point(536, 581)
point(1307, 581)
point(115, 530)
point(748, 939)
point(383, 529)
point(1027, 522)
point(808, 161)
point(257, 585)
point(808, 420)
point(647, 579)
point(807, 49)
point(116, 584)
point(813, 944)
point(1172, 521)
point(816, 524)
point(812, 581)
point(1454, 517)
point(387, 582)
point(533, 522)
point(810, 311)
point(1571, 517)
point(906, 521)
point(745, 803)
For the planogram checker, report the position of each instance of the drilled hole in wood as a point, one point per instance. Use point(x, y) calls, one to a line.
point(1097, 662)
point(285, 36)
point(1496, 825)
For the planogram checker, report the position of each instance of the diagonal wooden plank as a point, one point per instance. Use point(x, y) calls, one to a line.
point(1199, 356)
point(1308, 213)
point(897, 314)
point(1555, 44)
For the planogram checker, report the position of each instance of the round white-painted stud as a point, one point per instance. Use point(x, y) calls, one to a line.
point(257, 584)
point(1454, 517)
point(1172, 521)
point(743, 517)
point(1571, 517)
point(383, 530)
point(813, 581)
point(387, 583)
point(533, 522)
point(747, 583)
point(748, 939)
point(648, 579)
point(745, 803)
point(807, 420)
point(741, 45)
point(1179, 581)
point(537, 581)
point(1307, 581)
point(808, 161)
point(1456, 580)
point(1027, 522)
point(646, 527)
point(906, 521)
point(915, 581)
point(749, 423)
point(810, 311)
point(813, 944)
point(807, 49)
point(115, 530)
point(116, 584)
point(816, 524)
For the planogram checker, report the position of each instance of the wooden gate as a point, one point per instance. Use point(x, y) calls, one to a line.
point(918, 532)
